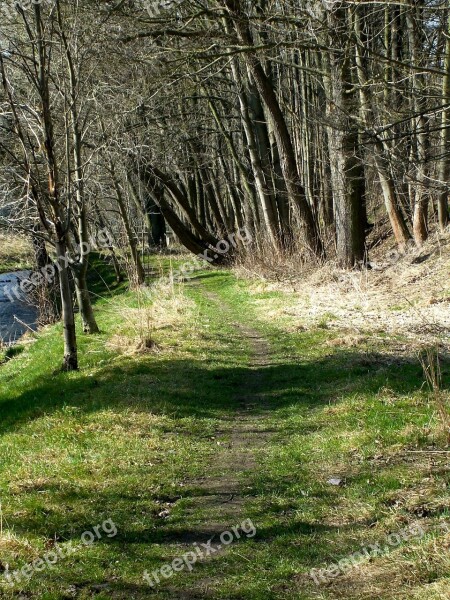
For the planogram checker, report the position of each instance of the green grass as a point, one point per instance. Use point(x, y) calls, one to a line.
point(130, 436)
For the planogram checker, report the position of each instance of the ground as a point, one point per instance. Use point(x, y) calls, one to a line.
point(227, 402)
point(16, 253)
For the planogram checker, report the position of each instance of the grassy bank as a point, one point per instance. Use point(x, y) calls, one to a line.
point(16, 253)
point(339, 446)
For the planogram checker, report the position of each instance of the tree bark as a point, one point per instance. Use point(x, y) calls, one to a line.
point(84, 302)
point(70, 362)
point(347, 169)
point(396, 219)
point(139, 269)
point(80, 268)
point(184, 205)
point(151, 214)
point(60, 220)
point(186, 237)
point(444, 164)
point(258, 172)
point(419, 125)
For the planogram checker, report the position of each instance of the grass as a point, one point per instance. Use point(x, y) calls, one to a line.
point(132, 436)
point(10, 352)
point(16, 253)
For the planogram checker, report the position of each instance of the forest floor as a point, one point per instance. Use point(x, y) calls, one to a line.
point(284, 415)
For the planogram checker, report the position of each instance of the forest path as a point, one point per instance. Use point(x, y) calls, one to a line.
point(232, 431)
point(223, 495)
point(245, 431)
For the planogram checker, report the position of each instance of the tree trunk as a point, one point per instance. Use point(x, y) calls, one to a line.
point(239, 218)
point(68, 318)
point(139, 269)
point(396, 219)
point(258, 172)
point(181, 200)
point(80, 269)
point(84, 300)
point(47, 293)
point(60, 219)
point(419, 123)
point(151, 214)
point(444, 164)
point(102, 224)
point(195, 245)
point(244, 176)
point(347, 170)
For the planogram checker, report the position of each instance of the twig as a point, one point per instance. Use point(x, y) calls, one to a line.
point(24, 324)
point(428, 451)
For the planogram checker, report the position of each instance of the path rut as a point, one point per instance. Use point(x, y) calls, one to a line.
point(221, 499)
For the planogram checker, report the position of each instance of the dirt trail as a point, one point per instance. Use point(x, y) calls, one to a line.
point(227, 492)
point(221, 498)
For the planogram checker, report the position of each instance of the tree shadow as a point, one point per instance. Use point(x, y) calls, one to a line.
point(183, 389)
point(191, 388)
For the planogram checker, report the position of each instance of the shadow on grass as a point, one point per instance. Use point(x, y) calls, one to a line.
point(195, 389)
point(101, 277)
point(182, 389)
point(187, 390)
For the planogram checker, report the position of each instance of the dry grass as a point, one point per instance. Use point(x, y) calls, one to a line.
point(262, 262)
point(371, 579)
point(431, 364)
point(16, 252)
point(159, 307)
point(348, 341)
point(400, 298)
